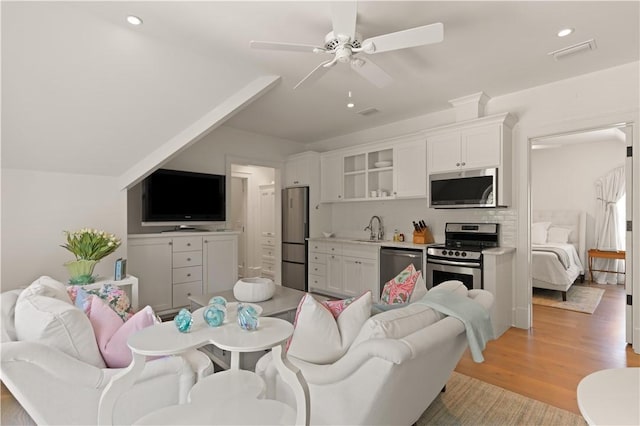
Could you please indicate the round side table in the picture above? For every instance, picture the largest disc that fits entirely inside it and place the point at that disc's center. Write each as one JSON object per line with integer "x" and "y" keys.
{"x": 611, "y": 397}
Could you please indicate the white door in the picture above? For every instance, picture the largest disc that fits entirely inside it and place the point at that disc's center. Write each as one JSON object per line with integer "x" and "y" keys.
{"x": 239, "y": 218}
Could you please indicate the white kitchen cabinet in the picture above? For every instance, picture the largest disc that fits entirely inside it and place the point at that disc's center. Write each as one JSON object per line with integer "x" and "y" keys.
{"x": 343, "y": 269}
{"x": 267, "y": 210}
{"x": 302, "y": 169}
{"x": 150, "y": 259}
{"x": 331, "y": 165}
{"x": 410, "y": 168}
{"x": 172, "y": 267}
{"x": 220, "y": 254}
{"x": 476, "y": 144}
{"x": 334, "y": 274}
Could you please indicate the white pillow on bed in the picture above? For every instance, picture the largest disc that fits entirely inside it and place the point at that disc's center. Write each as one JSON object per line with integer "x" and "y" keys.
{"x": 557, "y": 234}
{"x": 539, "y": 232}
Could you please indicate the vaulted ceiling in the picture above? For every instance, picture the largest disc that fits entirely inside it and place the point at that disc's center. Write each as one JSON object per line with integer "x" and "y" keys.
{"x": 85, "y": 92}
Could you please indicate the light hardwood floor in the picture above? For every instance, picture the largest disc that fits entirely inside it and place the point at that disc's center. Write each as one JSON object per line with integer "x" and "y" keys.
{"x": 548, "y": 361}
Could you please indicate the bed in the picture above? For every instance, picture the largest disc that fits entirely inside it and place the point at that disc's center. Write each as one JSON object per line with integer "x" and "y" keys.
{"x": 557, "y": 249}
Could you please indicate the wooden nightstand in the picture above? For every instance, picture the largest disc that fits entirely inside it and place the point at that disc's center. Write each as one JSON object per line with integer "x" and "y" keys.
{"x": 605, "y": 254}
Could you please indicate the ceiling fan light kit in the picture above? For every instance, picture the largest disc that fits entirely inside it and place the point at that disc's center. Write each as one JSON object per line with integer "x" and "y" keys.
{"x": 343, "y": 42}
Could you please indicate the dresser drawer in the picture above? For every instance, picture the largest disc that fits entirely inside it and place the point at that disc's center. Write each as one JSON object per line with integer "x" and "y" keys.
{"x": 181, "y": 293}
{"x": 187, "y": 258}
{"x": 268, "y": 266}
{"x": 334, "y": 248}
{"x": 317, "y": 258}
{"x": 183, "y": 275}
{"x": 317, "y": 268}
{"x": 268, "y": 253}
{"x": 187, "y": 244}
{"x": 269, "y": 241}
{"x": 317, "y": 246}
{"x": 316, "y": 282}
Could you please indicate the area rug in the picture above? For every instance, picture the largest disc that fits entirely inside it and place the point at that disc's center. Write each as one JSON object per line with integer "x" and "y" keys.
{"x": 579, "y": 298}
{"x": 469, "y": 401}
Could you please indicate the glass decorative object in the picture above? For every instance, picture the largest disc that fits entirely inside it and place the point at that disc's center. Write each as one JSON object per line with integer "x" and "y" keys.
{"x": 214, "y": 314}
{"x": 183, "y": 320}
{"x": 218, "y": 300}
{"x": 247, "y": 317}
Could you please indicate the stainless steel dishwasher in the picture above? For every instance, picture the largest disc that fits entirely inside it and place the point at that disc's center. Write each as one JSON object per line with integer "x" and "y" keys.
{"x": 394, "y": 259}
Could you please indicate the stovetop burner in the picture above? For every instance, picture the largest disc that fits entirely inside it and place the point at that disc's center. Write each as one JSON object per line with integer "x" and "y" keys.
{"x": 465, "y": 241}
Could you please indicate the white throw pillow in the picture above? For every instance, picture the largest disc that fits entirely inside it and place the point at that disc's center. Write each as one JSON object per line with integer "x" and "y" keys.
{"x": 557, "y": 234}
{"x": 43, "y": 315}
{"x": 539, "y": 232}
{"x": 320, "y": 338}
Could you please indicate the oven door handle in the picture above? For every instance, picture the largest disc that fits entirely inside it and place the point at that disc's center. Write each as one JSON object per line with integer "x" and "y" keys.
{"x": 453, "y": 263}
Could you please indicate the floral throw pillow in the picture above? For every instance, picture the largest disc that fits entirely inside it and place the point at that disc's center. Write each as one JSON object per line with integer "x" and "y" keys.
{"x": 115, "y": 297}
{"x": 337, "y": 306}
{"x": 400, "y": 288}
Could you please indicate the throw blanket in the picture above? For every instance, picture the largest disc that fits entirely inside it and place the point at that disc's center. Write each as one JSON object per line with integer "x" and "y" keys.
{"x": 561, "y": 254}
{"x": 474, "y": 316}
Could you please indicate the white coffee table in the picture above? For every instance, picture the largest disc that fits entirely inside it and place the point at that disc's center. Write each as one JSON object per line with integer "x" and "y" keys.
{"x": 165, "y": 339}
{"x": 611, "y": 397}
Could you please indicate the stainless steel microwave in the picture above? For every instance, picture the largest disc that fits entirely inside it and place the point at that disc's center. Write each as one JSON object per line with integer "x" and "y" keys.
{"x": 464, "y": 189}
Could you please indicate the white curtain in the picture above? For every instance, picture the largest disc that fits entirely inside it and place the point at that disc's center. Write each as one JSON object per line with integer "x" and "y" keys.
{"x": 610, "y": 189}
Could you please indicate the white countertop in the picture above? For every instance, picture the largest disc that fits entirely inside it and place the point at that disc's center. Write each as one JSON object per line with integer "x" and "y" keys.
{"x": 381, "y": 243}
{"x": 181, "y": 234}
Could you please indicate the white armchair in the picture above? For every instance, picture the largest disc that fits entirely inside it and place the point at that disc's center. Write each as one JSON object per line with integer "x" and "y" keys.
{"x": 55, "y": 387}
{"x": 392, "y": 372}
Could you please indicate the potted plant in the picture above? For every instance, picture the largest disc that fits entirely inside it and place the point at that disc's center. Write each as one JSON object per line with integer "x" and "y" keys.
{"x": 88, "y": 246}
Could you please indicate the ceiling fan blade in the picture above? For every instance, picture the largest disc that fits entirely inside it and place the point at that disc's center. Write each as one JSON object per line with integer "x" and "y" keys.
{"x": 376, "y": 75}
{"x": 343, "y": 17}
{"x": 314, "y": 75}
{"x": 274, "y": 45}
{"x": 426, "y": 34}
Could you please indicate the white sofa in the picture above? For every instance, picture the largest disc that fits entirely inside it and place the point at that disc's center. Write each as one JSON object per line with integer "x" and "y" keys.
{"x": 394, "y": 369}
{"x": 60, "y": 386}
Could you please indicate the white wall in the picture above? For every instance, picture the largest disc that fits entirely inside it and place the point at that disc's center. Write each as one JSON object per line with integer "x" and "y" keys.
{"x": 563, "y": 177}
{"x": 209, "y": 156}
{"x": 38, "y": 206}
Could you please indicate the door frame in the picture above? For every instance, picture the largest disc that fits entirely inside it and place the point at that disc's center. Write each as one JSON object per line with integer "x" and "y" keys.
{"x": 523, "y": 318}
{"x": 277, "y": 167}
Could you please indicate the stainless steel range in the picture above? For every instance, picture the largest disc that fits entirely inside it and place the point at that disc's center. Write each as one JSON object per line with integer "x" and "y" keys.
{"x": 460, "y": 257}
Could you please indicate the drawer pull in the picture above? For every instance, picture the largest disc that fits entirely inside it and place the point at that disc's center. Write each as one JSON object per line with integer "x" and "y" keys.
{"x": 188, "y": 244}
{"x": 188, "y": 294}
{"x": 188, "y": 259}
{"x": 188, "y": 275}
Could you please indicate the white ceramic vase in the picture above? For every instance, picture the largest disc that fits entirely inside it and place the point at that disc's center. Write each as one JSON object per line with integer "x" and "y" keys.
{"x": 255, "y": 289}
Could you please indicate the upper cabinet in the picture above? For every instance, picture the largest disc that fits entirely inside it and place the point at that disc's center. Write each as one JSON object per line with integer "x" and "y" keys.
{"x": 386, "y": 170}
{"x": 331, "y": 164}
{"x": 302, "y": 169}
{"x": 475, "y": 144}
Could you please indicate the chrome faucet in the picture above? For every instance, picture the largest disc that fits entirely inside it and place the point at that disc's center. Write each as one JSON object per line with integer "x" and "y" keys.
{"x": 370, "y": 228}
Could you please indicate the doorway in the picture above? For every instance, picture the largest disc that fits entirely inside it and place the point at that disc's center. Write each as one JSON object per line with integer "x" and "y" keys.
{"x": 564, "y": 169}
{"x": 257, "y": 255}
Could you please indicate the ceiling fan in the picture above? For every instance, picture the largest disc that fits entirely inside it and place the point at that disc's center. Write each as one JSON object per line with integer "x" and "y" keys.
{"x": 346, "y": 45}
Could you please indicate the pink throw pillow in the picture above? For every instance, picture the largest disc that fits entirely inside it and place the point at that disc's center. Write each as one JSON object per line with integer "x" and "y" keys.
{"x": 112, "y": 333}
{"x": 400, "y": 288}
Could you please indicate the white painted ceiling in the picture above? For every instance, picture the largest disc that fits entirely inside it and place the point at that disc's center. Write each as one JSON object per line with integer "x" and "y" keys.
{"x": 84, "y": 92}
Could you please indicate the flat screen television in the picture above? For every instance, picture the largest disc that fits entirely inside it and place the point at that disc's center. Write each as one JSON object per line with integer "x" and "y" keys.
{"x": 173, "y": 197}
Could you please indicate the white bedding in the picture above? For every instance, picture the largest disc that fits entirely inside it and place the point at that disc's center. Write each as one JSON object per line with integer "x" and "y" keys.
{"x": 548, "y": 271}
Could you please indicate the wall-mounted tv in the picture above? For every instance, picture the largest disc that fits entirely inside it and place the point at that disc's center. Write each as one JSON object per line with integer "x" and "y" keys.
{"x": 173, "y": 197}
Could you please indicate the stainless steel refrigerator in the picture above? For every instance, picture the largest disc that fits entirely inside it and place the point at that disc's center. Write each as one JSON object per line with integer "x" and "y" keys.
{"x": 295, "y": 230}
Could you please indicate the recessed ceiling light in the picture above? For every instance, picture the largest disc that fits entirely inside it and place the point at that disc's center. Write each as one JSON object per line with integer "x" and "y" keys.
{"x": 134, "y": 20}
{"x": 565, "y": 32}
{"x": 350, "y": 105}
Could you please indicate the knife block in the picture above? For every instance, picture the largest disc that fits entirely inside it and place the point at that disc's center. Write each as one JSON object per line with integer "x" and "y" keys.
{"x": 423, "y": 237}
